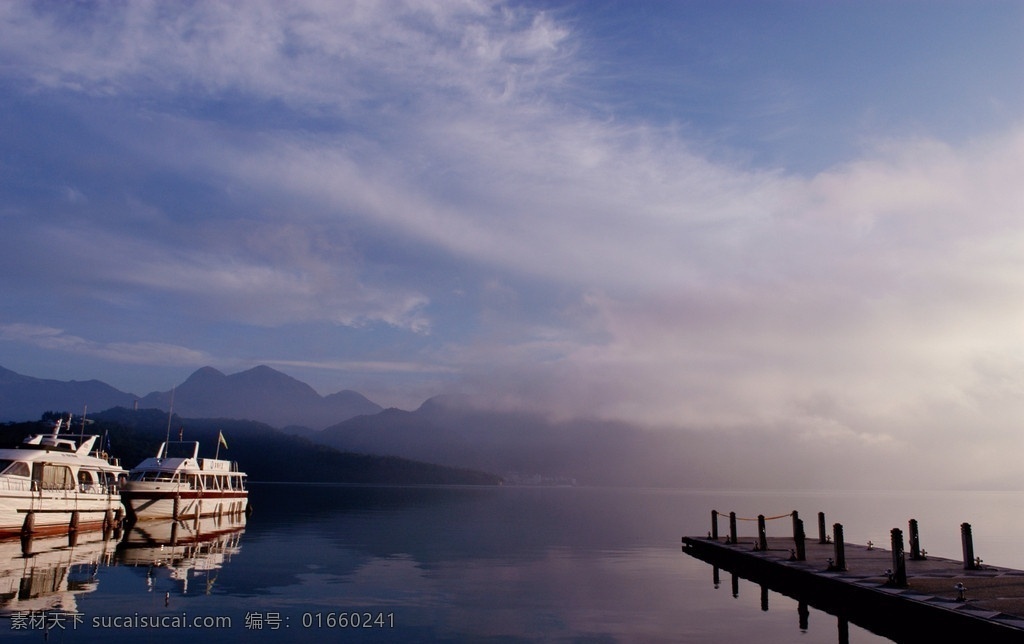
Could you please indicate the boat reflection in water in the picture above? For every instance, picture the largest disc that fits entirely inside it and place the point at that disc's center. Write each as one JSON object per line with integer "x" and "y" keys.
{"x": 48, "y": 573}
{"x": 193, "y": 548}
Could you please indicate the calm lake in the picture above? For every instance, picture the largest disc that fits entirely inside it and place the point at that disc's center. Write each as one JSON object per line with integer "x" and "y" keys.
{"x": 326, "y": 563}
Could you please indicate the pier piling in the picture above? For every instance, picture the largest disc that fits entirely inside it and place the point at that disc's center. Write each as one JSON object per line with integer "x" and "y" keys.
{"x": 915, "y": 541}
{"x": 822, "y": 535}
{"x": 800, "y": 538}
{"x": 714, "y": 524}
{"x": 967, "y": 539}
{"x": 762, "y": 533}
{"x": 899, "y": 561}
{"x": 840, "y": 548}
{"x": 732, "y": 527}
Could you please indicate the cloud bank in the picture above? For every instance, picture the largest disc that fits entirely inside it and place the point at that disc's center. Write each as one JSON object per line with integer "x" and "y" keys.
{"x": 451, "y": 189}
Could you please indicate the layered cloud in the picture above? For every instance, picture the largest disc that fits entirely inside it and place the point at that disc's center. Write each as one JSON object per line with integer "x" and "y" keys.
{"x": 453, "y": 184}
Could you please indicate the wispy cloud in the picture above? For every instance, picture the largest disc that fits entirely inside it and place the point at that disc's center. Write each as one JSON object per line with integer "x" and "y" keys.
{"x": 140, "y": 353}
{"x": 450, "y": 172}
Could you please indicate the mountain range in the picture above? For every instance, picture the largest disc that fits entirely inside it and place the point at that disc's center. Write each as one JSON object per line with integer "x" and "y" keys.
{"x": 451, "y": 431}
{"x": 447, "y": 430}
{"x": 260, "y": 394}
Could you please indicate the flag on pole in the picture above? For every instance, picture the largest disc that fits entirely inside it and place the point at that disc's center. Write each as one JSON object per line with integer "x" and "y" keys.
{"x": 220, "y": 439}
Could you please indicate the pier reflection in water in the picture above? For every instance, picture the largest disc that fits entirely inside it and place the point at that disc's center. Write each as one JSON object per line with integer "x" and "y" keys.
{"x": 804, "y": 604}
{"x": 850, "y": 604}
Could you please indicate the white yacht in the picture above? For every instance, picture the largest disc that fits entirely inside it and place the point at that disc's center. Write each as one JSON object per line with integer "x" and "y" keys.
{"x": 58, "y": 484}
{"x": 177, "y": 484}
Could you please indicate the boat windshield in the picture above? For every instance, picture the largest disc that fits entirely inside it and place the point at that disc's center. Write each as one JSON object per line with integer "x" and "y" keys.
{"x": 13, "y": 468}
{"x": 176, "y": 449}
{"x": 153, "y": 476}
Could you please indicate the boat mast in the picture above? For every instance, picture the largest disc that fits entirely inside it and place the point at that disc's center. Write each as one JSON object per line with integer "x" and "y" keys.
{"x": 170, "y": 413}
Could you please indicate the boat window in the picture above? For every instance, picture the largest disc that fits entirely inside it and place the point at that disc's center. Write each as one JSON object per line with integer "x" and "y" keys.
{"x": 85, "y": 478}
{"x": 14, "y": 468}
{"x": 53, "y": 477}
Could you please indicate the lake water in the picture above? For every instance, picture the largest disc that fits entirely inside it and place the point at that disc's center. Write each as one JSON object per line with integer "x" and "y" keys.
{"x": 461, "y": 564}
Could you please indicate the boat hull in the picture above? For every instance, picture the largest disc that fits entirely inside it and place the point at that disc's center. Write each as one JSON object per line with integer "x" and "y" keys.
{"x": 144, "y": 505}
{"x": 26, "y": 513}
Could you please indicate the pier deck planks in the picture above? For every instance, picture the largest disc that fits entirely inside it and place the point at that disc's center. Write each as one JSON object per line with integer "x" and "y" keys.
{"x": 994, "y": 603}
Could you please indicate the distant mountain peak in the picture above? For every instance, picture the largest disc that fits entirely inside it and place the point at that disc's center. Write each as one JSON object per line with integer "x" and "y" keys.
{"x": 261, "y": 393}
{"x": 204, "y": 374}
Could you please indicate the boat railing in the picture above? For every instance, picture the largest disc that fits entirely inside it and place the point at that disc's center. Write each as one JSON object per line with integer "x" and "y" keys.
{"x": 12, "y": 484}
{"x": 94, "y": 488}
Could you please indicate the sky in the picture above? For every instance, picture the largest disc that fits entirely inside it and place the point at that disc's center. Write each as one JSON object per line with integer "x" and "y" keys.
{"x": 801, "y": 218}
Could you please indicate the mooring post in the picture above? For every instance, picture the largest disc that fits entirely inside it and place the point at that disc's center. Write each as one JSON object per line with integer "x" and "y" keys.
{"x": 762, "y": 533}
{"x": 796, "y": 520}
{"x": 899, "y": 563}
{"x": 967, "y": 539}
{"x": 801, "y": 541}
{"x": 732, "y": 527}
{"x": 915, "y": 541}
{"x": 822, "y": 536}
{"x": 714, "y": 524}
{"x": 840, "y": 548}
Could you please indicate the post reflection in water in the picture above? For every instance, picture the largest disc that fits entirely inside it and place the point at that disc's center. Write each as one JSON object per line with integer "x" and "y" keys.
{"x": 803, "y": 607}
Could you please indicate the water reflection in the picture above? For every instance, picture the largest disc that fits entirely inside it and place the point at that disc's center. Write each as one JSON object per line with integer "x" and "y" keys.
{"x": 181, "y": 550}
{"x": 49, "y": 573}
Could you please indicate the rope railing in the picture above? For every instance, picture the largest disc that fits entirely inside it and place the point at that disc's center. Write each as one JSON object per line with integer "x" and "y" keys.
{"x": 780, "y": 516}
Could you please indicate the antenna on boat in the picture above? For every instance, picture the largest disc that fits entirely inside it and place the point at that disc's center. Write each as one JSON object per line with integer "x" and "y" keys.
{"x": 85, "y": 409}
{"x": 170, "y": 413}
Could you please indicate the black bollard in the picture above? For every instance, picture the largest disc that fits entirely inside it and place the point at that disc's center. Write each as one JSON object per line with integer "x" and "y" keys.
{"x": 714, "y": 524}
{"x": 967, "y": 539}
{"x": 915, "y": 541}
{"x": 732, "y": 527}
{"x": 762, "y": 534}
{"x": 840, "y": 548}
{"x": 822, "y": 536}
{"x": 899, "y": 564}
{"x": 796, "y": 520}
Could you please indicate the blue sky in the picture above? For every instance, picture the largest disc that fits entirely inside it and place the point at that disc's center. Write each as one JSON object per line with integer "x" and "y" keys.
{"x": 801, "y": 217}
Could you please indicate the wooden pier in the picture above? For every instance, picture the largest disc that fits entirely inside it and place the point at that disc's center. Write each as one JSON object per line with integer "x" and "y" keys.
{"x": 907, "y": 597}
